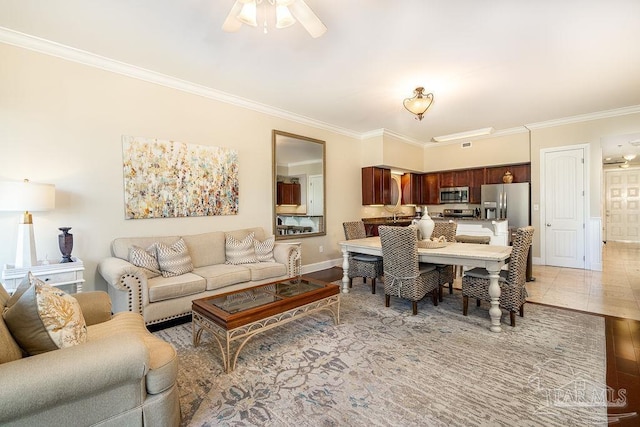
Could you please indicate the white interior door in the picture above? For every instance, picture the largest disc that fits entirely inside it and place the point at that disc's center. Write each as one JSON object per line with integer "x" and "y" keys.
{"x": 316, "y": 195}
{"x": 622, "y": 222}
{"x": 564, "y": 219}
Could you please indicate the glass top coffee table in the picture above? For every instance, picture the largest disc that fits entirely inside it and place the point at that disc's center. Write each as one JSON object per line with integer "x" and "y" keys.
{"x": 239, "y": 315}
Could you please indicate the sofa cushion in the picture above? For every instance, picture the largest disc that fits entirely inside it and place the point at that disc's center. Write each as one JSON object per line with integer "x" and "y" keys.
{"x": 147, "y": 259}
{"x": 264, "y": 250}
{"x": 120, "y": 246}
{"x": 9, "y": 349}
{"x": 206, "y": 248}
{"x": 266, "y": 270}
{"x": 163, "y": 361}
{"x": 174, "y": 260}
{"x": 164, "y": 288}
{"x": 258, "y": 233}
{"x": 42, "y": 317}
{"x": 221, "y": 275}
{"x": 240, "y": 251}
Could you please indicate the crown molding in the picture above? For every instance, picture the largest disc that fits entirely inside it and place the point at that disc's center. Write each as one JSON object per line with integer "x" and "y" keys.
{"x": 58, "y": 50}
{"x": 386, "y": 132}
{"x": 586, "y": 117}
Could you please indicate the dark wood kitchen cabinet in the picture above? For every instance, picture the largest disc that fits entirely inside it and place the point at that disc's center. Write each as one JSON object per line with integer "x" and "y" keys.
{"x": 521, "y": 173}
{"x": 476, "y": 179}
{"x": 458, "y": 178}
{"x": 411, "y": 189}
{"x": 430, "y": 189}
{"x": 288, "y": 193}
{"x": 376, "y": 186}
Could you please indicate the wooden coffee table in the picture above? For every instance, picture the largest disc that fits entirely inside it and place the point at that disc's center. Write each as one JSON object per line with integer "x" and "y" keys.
{"x": 238, "y": 316}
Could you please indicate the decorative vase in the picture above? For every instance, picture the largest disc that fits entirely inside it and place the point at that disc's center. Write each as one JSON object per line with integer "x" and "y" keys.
{"x": 507, "y": 178}
{"x": 425, "y": 225}
{"x": 65, "y": 242}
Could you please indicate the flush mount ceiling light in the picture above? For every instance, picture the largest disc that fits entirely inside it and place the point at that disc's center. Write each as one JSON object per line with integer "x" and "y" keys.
{"x": 629, "y": 157}
{"x": 420, "y": 102}
{"x": 286, "y": 13}
{"x": 460, "y": 135}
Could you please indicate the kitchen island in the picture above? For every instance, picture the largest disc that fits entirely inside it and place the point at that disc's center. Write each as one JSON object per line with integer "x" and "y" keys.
{"x": 496, "y": 229}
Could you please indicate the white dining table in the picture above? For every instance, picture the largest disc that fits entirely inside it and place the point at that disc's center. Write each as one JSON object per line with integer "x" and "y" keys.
{"x": 491, "y": 257}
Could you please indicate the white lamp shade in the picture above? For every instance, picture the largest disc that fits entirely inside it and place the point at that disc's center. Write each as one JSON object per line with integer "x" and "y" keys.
{"x": 284, "y": 18}
{"x": 248, "y": 14}
{"x": 26, "y": 196}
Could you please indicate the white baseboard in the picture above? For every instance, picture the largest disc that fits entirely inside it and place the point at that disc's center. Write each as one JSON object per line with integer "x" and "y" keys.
{"x": 310, "y": 268}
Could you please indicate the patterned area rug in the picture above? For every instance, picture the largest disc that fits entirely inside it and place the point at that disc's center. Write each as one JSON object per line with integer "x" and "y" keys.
{"x": 384, "y": 367}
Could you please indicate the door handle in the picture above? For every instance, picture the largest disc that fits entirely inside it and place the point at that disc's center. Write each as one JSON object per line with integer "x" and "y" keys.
{"x": 548, "y": 225}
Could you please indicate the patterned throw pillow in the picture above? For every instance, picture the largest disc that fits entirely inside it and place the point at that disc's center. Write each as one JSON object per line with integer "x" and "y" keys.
{"x": 174, "y": 260}
{"x": 240, "y": 251}
{"x": 264, "y": 250}
{"x": 42, "y": 317}
{"x": 145, "y": 259}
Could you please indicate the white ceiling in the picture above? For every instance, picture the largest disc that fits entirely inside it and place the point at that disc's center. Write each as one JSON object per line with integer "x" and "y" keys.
{"x": 489, "y": 63}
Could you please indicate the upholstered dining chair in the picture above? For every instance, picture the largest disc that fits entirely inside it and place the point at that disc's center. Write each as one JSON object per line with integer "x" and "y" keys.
{"x": 475, "y": 282}
{"x": 445, "y": 272}
{"x": 404, "y": 276}
{"x": 361, "y": 265}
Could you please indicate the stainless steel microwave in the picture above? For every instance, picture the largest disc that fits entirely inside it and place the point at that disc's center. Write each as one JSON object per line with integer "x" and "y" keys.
{"x": 454, "y": 195}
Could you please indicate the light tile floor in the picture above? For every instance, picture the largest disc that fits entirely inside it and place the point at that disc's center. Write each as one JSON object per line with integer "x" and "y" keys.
{"x": 615, "y": 291}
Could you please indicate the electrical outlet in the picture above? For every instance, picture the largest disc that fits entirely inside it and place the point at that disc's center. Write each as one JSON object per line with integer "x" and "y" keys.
{"x": 320, "y": 249}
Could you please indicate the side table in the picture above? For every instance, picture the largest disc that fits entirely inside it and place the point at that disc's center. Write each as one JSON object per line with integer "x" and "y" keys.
{"x": 65, "y": 275}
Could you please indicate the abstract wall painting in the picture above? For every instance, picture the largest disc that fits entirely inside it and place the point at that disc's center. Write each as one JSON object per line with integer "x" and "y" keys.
{"x": 170, "y": 179}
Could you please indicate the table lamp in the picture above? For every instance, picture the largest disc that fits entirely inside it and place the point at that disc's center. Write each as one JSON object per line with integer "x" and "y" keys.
{"x": 26, "y": 197}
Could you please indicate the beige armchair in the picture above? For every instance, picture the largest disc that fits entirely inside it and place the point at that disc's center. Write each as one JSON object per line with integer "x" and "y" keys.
{"x": 122, "y": 376}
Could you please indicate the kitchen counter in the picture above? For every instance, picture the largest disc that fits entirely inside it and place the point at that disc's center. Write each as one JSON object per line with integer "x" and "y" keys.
{"x": 496, "y": 229}
{"x": 371, "y": 224}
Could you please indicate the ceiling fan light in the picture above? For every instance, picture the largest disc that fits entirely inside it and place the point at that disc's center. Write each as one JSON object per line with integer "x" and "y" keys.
{"x": 629, "y": 157}
{"x": 284, "y": 18}
{"x": 625, "y": 165}
{"x": 419, "y": 104}
{"x": 248, "y": 14}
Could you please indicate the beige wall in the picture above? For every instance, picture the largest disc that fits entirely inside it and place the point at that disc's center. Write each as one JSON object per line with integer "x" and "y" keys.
{"x": 400, "y": 154}
{"x": 62, "y": 123}
{"x": 499, "y": 150}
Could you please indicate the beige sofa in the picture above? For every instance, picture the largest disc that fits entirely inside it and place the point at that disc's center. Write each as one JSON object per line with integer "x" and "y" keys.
{"x": 163, "y": 298}
{"x": 122, "y": 376}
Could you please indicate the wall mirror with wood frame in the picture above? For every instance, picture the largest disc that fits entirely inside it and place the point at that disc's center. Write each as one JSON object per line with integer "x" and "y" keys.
{"x": 298, "y": 186}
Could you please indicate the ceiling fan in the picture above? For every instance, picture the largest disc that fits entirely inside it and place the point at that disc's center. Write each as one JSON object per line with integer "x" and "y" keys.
{"x": 287, "y": 11}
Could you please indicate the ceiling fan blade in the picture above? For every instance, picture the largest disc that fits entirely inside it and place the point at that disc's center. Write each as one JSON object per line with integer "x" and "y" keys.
{"x": 307, "y": 18}
{"x": 232, "y": 24}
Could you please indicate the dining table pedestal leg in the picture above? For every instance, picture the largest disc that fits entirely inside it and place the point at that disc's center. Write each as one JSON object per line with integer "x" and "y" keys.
{"x": 494, "y": 292}
{"x": 345, "y": 271}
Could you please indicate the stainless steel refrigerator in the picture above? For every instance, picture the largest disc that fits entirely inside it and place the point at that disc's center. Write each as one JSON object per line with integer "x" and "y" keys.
{"x": 510, "y": 202}
{"x": 506, "y": 201}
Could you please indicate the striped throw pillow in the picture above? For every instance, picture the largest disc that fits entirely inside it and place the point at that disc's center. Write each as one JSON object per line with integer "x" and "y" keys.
{"x": 240, "y": 251}
{"x": 264, "y": 250}
{"x": 145, "y": 259}
{"x": 174, "y": 260}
